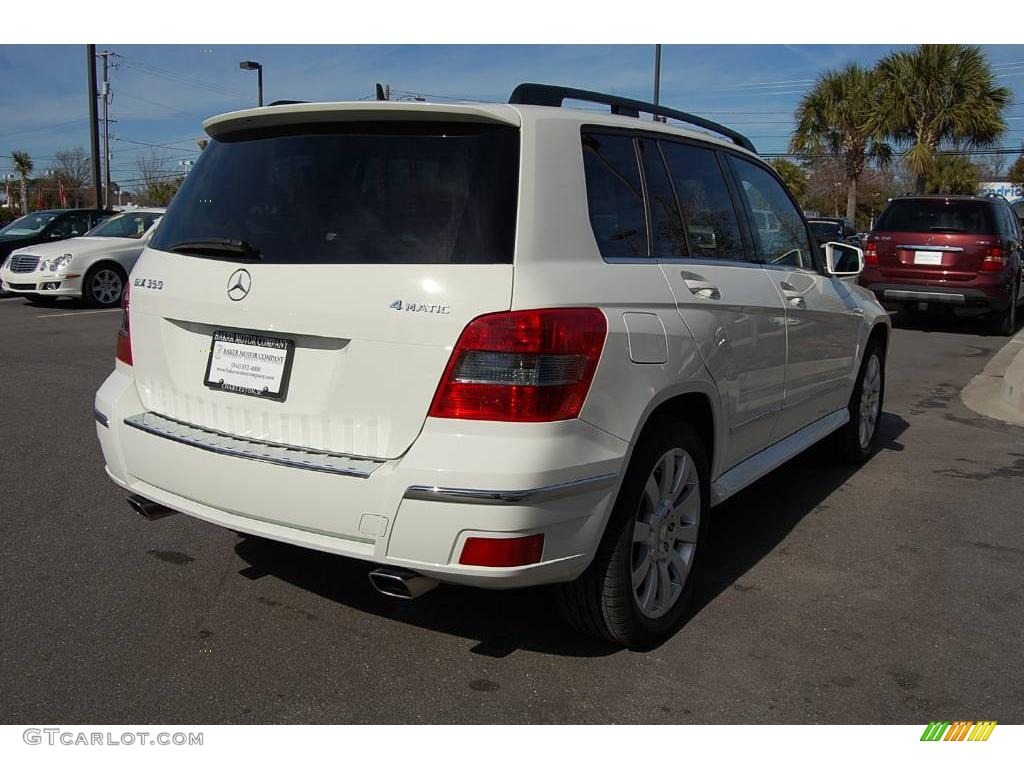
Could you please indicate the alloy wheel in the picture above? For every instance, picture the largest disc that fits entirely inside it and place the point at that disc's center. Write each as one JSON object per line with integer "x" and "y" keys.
{"x": 665, "y": 533}
{"x": 106, "y": 287}
{"x": 870, "y": 400}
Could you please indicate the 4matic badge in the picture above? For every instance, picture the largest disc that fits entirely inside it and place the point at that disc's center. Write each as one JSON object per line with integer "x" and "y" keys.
{"x": 414, "y": 306}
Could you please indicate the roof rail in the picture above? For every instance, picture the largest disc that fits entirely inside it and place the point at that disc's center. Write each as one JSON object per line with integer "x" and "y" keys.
{"x": 281, "y": 102}
{"x": 541, "y": 95}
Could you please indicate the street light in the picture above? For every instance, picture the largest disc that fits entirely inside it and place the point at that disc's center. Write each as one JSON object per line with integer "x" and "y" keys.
{"x": 259, "y": 72}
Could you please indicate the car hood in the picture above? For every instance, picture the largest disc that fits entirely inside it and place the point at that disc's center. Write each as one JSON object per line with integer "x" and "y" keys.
{"x": 75, "y": 246}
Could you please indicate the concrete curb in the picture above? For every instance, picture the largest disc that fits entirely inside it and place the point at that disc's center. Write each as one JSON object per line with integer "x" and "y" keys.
{"x": 998, "y": 391}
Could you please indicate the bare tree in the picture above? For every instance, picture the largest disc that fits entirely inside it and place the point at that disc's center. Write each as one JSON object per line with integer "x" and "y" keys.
{"x": 157, "y": 182}
{"x": 73, "y": 168}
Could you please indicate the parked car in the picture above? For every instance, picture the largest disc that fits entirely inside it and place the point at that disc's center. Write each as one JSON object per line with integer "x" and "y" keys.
{"x": 948, "y": 253}
{"x": 837, "y": 230}
{"x": 46, "y": 226}
{"x": 94, "y": 267}
{"x": 476, "y": 344}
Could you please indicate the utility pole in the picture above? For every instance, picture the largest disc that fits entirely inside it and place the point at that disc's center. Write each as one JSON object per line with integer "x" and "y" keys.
{"x": 657, "y": 77}
{"x": 94, "y": 130}
{"x": 105, "y": 55}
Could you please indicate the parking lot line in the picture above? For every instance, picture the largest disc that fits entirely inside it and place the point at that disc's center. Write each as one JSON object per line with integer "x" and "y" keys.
{"x": 78, "y": 314}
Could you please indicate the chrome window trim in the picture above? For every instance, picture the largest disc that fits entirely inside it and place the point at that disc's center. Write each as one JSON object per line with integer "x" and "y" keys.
{"x": 525, "y": 496}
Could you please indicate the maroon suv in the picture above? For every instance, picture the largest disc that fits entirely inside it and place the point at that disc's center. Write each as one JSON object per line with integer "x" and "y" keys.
{"x": 961, "y": 253}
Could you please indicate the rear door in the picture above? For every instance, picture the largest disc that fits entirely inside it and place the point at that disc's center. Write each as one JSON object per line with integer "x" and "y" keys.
{"x": 934, "y": 239}
{"x": 308, "y": 282}
{"x": 822, "y": 316}
{"x": 726, "y": 299}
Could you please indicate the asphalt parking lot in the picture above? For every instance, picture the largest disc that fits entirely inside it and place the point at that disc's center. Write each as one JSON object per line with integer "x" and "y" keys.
{"x": 889, "y": 593}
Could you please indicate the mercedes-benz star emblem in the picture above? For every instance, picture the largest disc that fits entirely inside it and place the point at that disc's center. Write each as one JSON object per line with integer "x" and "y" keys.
{"x": 239, "y": 284}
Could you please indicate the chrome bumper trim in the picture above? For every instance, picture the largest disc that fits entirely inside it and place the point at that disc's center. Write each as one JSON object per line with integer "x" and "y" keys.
{"x": 247, "y": 448}
{"x": 100, "y": 417}
{"x": 525, "y": 496}
{"x": 942, "y": 298}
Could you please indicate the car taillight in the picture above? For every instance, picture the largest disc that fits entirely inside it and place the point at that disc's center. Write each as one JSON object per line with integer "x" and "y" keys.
{"x": 871, "y": 254}
{"x": 502, "y": 553}
{"x": 124, "y": 333}
{"x": 529, "y": 365}
{"x": 994, "y": 261}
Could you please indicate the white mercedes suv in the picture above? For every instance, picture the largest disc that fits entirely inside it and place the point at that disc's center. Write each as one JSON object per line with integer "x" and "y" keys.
{"x": 496, "y": 345}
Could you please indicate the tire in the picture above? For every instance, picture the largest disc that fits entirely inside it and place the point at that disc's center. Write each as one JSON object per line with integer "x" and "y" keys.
{"x": 103, "y": 286}
{"x": 603, "y": 601}
{"x": 1005, "y": 322}
{"x": 858, "y": 438}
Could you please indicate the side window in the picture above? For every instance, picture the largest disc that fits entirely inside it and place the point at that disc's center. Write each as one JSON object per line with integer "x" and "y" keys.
{"x": 704, "y": 200}
{"x": 667, "y": 238}
{"x": 615, "y": 196}
{"x": 779, "y": 231}
{"x": 73, "y": 225}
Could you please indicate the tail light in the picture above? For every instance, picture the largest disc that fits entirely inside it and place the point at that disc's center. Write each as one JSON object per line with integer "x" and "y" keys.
{"x": 502, "y": 553}
{"x": 124, "y": 333}
{"x": 871, "y": 254}
{"x": 530, "y": 365}
{"x": 994, "y": 261}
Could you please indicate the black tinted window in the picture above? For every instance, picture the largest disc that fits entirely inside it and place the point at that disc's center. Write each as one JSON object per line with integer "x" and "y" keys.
{"x": 953, "y": 216}
{"x": 703, "y": 195}
{"x": 615, "y": 196}
{"x": 667, "y": 238}
{"x": 357, "y": 193}
{"x": 779, "y": 230}
{"x": 825, "y": 231}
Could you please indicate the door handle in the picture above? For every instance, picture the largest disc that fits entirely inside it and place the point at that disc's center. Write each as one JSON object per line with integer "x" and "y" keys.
{"x": 793, "y": 297}
{"x": 702, "y": 288}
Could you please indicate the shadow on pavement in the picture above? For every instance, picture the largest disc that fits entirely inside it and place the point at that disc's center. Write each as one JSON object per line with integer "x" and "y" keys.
{"x": 945, "y": 322}
{"x": 744, "y": 530}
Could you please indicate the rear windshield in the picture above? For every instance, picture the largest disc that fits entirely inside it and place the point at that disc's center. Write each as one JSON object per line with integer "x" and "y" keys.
{"x": 355, "y": 193}
{"x": 825, "y": 230}
{"x": 971, "y": 217}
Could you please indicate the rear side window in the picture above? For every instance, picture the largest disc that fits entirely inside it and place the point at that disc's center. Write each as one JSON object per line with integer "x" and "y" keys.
{"x": 615, "y": 196}
{"x": 972, "y": 217}
{"x": 704, "y": 199}
{"x": 355, "y": 193}
{"x": 779, "y": 228}
{"x": 668, "y": 240}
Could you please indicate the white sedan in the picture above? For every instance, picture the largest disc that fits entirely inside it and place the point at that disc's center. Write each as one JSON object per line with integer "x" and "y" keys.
{"x": 94, "y": 267}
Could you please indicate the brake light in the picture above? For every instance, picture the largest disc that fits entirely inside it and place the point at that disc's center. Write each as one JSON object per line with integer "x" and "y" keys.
{"x": 124, "y": 333}
{"x": 871, "y": 254}
{"x": 994, "y": 261}
{"x": 502, "y": 553}
{"x": 529, "y": 365}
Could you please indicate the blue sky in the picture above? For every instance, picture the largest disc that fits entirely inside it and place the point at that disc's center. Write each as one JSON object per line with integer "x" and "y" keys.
{"x": 162, "y": 92}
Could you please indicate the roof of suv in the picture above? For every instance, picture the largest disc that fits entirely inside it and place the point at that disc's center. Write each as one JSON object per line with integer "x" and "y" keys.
{"x": 510, "y": 114}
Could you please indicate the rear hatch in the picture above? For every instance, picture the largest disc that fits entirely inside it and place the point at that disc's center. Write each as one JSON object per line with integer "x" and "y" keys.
{"x": 934, "y": 239}
{"x": 313, "y": 273}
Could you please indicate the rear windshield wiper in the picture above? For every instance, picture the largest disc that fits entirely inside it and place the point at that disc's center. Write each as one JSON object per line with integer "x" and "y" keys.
{"x": 218, "y": 248}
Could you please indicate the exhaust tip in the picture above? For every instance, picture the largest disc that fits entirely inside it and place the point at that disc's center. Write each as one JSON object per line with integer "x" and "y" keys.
{"x": 149, "y": 509}
{"x": 400, "y": 583}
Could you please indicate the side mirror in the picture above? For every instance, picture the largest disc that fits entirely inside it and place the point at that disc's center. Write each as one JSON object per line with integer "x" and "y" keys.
{"x": 843, "y": 260}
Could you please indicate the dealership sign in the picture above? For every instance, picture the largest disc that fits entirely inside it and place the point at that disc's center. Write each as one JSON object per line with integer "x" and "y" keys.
{"x": 1012, "y": 192}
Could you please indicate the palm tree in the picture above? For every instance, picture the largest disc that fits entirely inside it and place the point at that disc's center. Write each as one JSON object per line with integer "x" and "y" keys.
{"x": 23, "y": 165}
{"x": 935, "y": 94}
{"x": 952, "y": 175}
{"x": 835, "y": 117}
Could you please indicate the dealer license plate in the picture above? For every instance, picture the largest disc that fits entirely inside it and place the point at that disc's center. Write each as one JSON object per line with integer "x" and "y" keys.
{"x": 250, "y": 364}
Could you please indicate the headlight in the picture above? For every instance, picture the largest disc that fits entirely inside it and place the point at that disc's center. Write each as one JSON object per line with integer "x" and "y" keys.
{"x": 52, "y": 265}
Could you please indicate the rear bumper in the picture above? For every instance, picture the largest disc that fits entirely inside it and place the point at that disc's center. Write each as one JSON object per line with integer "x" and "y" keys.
{"x": 976, "y": 295}
{"x": 458, "y": 480}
